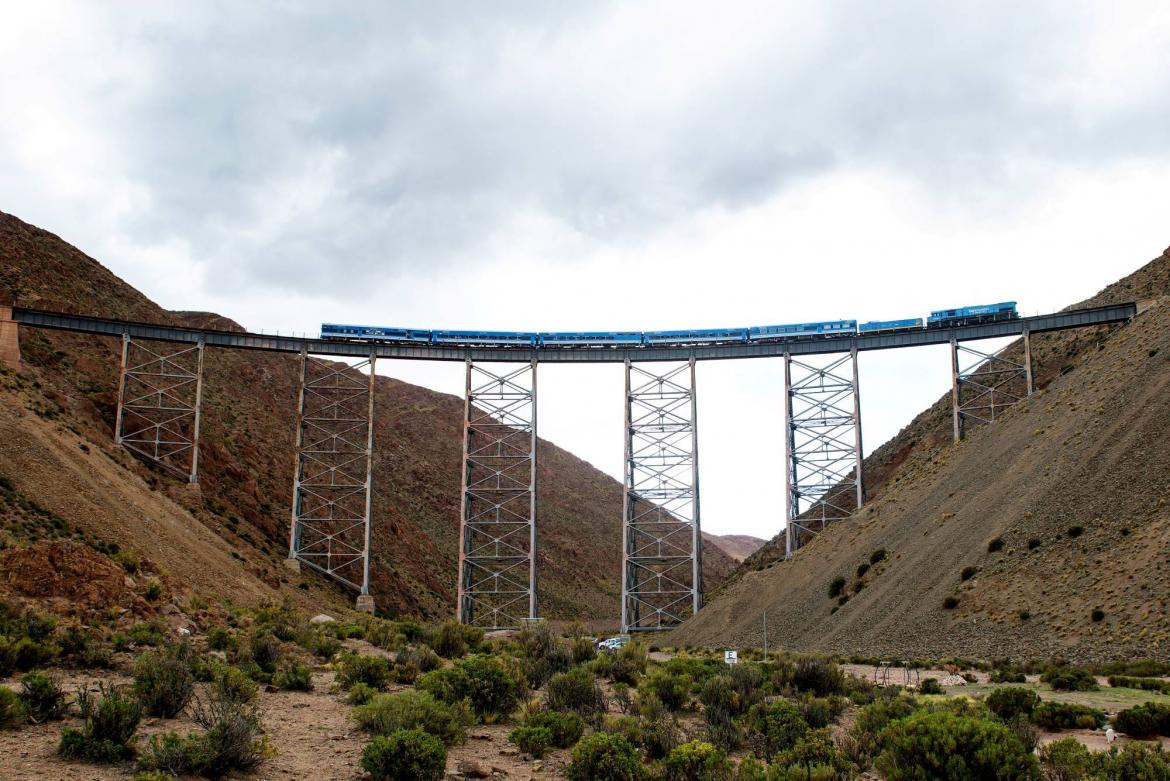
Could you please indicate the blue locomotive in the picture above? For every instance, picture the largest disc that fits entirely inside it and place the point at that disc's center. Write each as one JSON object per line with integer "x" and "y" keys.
{"x": 942, "y": 318}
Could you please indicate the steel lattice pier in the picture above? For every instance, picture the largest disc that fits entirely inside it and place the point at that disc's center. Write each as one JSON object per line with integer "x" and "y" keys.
{"x": 330, "y": 529}
{"x": 160, "y": 397}
{"x": 497, "y": 530}
{"x": 986, "y": 384}
{"x": 661, "y": 543}
{"x": 822, "y": 407}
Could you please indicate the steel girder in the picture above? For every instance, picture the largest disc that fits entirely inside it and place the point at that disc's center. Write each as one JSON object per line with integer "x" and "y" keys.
{"x": 661, "y": 540}
{"x": 822, "y": 410}
{"x": 983, "y": 384}
{"x": 330, "y": 528}
{"x": 160, "y": 397}
{"x": 497, "y": 525}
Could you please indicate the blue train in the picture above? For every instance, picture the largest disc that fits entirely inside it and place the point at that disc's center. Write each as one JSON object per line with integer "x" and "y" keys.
{"x": 942, "y": 318}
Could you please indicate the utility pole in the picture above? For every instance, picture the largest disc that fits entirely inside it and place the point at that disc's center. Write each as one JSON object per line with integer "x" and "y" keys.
{"x": 765, "y": 635}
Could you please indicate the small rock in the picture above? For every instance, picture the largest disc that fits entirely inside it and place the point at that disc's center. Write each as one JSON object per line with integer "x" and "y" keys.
{"x": 473, "y": 769}
{"x": 537, "y": 765}
{"x": 271, "y": 689}
{"x": 184, "y": 631}
{"x": 480, "y": 736}
{"x": 321, "y": 618}
{"x": 169, "y": 610}
{"x": 509, "y": 752}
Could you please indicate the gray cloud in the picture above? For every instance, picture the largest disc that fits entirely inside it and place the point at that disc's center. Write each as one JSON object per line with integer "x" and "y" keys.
{"x": 388, "y": 136}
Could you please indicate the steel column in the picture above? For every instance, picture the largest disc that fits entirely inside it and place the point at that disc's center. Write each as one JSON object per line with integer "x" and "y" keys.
{"x": 332, "y": 485}
{"x": 823, "y": 443}
{"x": 661, "y": 533}
{"x": 987, "y": 384}
{"x": 497, "y": 527}
{"x": 160, "y": 397}
{"x": 1028, "y": 360}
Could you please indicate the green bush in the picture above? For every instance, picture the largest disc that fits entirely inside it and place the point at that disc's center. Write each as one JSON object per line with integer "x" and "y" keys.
{"x": 421, "y": 657}
{"x": 1009, "y": 702}
{"x": 146, "y": 634}
{"x": 968, "y": 573}
{"x": 1064, "y": 715}
{"x": 950, "y": 603}
{"x": 296, "y": 677}
{"x": 220, "y": 639}
{"x": 28, "y": 654}
{"x": 110, "y": 724}
{"x": 877, "y": 555}
{"x": 995, "y": 545}
{"x": 12, "y": 713}
{"x": 1146, "y": 684}
{"x": 941, "y": 744}
{"x": 818, "y": 676}
{"x": 41, "y": 698}
{"x": 930, "y": 686}
{"x": 775, "y": 727}
{"x": 1008, "y": 676}
{"x": 673, "y": 690}
{"x": 264, "y": 652}
{"x": 696, "y": 761}
{"x": 1134, "y": 762}
{"x": 582, "y": 650}
{"x": 1070, "y": 679}
{"x": 451, "y": 640}
{"x": 531, "y": 740}
{"x": 813, "y": 757}
{"x": 565, "y": 729}
{"x": 605, "y": 756}
{"x": 386, "y": 714}
{"x": 163, "y": 684}
{"x": 406, "y": 755}
{"x": 836, "y": 586}
{"x": 820, "y": 712}
{"x": 373, "y": 671}
{"x": 231, "y": 683}
{"x": 360, "y": 694}
{"x": 1066, "y": 759}
{"x": 492, "y": 690}
{"x": 1143, "y": 721}
{"x": 231, "y": 741}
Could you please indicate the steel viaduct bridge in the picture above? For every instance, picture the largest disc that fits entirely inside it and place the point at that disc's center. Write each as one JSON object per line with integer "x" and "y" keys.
{"x": 159, "y": 407}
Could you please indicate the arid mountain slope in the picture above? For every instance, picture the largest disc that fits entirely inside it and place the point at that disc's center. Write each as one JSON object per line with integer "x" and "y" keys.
{"x": 737, "y": 546}
{"x": 70, "y": 384}
{"x": 1074, "y": 483}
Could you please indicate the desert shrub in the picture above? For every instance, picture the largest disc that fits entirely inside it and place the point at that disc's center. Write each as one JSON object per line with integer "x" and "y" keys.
{"x": 1066, "y": 759}
{"x": 1064, "y": 715}
{"x": 1146, "y": 684}
{"x": 818, "y": 676}
{"x": 660, "y": 734}
{"x": 673, "y": 690}
{"x": 231, "y": 741}
{"x": 628, "y": 664}
{"x": 871, "y": 722}
{"x": 576, "y": 691}
{"x": 1011, "y": 701}
{"x": 565, "y": 728}
{"x": 1138, "y": 667}
{"x": 531, "y": 740}
{"x": 163, "y": 684}
{"x": 836, "y": 586}
{"x": 146, "y": 634}
{"x": 813, "y": 757}
{"x": 1143, "y": 721}
{"x": 420, "y": 656}
{"x": 262, "y": 656}
{"x": 582, "y": 650}
{"x": 373, "y": 671}
{"x": 751, "y": 769}
{"x": 296, "y": 677}
{"x": 110, "y": 723}
{"x": 605, "y": 756}
{"x": 41, "y": 697}
{"x": 820, "y": 712}
{"x": 12, "y": 713}
{"x": 491, "y": 689}
{"x": 968, "y": 573}
{"x": 862, "y": 569}
{"x": 1071, "y": 679}
{"x": 718, "y": 696}
{"x": 1134, "y": 762}
{"x": 950, "y": 603}
{"x": 450, "y": 641}
{"x": 1008, "y": 676}
{"x": 28, "y": 654}
{"x": 388, "y": 713}
{"x": 1097, "y": 615}
{"x": 220, "y": 639}
{"x": 930, "y": 686}
{"x": 696, "y": 761}
{"x": 774, "y": 727}
{"x": 1075, "y": 531}
{"x": 941, "y": 744}
{"x": 154, "y": 590}
{"x": 877, "y": 555}
{"x": 360, "y": 694}
{"x": 406, "y": 755}
{"x": 231, "y": 683}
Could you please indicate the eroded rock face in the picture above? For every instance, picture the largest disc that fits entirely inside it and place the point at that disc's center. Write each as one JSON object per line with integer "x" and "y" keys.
{"x": 66, "y": 571}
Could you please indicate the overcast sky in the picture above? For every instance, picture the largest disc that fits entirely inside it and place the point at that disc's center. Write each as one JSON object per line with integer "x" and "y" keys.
{"x": 601, "y": 166}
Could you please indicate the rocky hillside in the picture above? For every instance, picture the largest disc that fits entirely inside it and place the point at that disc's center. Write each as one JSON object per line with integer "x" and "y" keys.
{"x": 1043, "y": 534}
{"x": 63, "y": 405}
{"x": 737, "y": 546}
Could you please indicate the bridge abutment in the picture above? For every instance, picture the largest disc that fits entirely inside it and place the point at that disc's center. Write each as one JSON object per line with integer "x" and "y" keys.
{"x": 9, "y": 339}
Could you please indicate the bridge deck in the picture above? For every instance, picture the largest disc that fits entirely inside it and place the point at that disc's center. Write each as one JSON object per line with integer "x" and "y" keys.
{"x": 289, "y": 344}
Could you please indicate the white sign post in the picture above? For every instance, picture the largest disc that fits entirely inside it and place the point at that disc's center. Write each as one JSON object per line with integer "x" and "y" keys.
{"x": 731, "y": 657}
